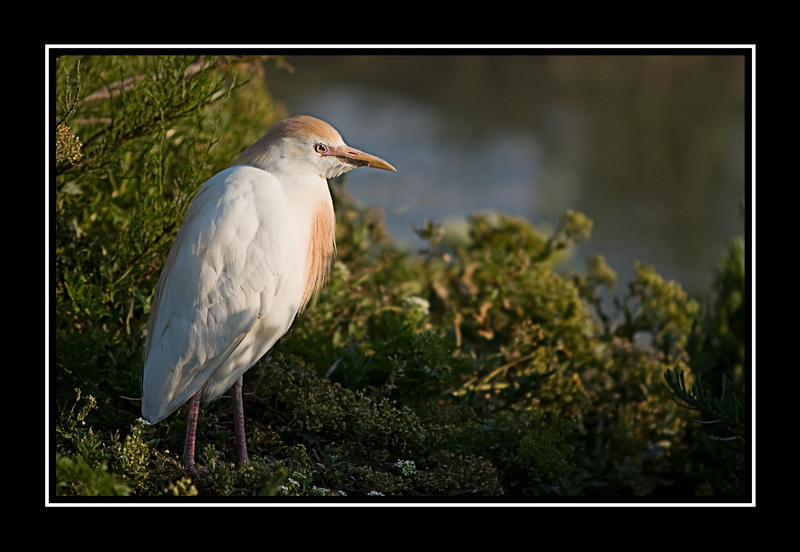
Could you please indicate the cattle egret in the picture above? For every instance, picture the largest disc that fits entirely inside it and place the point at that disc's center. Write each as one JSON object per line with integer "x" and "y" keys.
{"x": 255, "y": 246}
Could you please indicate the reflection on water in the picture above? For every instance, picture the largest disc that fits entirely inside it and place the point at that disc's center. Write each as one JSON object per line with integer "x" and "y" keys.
{"x": 650, "y": 147}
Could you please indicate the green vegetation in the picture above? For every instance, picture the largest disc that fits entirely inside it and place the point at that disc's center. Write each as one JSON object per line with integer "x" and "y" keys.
{"x": 473, "y": 369}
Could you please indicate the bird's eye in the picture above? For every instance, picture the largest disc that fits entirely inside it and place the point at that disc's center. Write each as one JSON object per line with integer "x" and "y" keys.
{"x": 320, "y": 148}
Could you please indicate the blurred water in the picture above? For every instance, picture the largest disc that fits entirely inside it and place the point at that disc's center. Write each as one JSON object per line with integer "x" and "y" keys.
{"x": 650, "y": 147}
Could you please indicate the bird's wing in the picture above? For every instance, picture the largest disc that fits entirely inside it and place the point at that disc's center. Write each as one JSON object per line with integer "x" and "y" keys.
{"x": 220, "y": 277}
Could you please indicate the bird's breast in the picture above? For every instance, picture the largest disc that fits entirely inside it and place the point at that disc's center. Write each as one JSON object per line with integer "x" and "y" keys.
{"x": 321, "y": 248}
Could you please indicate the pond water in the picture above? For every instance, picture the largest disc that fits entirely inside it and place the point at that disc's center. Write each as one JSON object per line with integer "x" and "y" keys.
{"x": 651, "y": 147}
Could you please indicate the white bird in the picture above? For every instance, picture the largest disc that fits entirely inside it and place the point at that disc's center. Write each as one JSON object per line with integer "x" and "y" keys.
{"x": 256, "y": 244}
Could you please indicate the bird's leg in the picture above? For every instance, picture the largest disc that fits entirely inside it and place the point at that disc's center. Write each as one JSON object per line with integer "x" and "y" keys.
{"x": 238, "y": 423}
{"x": 191, "y": 431}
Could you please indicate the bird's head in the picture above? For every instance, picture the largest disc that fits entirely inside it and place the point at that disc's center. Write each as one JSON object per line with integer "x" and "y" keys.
{"x": 306, "y": 145}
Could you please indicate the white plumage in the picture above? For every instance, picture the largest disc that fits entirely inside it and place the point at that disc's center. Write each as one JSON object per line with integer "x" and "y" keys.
{"x": 255, "y": 245}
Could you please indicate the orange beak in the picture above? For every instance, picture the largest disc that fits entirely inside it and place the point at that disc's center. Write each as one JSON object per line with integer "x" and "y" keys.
{"x": 362, "y": 159}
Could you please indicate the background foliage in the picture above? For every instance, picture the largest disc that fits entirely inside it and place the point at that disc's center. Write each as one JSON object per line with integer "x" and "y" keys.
{"x": 475, "y": 368}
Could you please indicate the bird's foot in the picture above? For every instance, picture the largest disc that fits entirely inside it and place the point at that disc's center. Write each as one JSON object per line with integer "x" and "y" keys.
{"x": 197, "y": 470}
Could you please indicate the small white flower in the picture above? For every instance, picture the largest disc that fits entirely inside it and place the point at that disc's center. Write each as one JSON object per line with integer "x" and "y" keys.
{"x": 407, "y": 467}
{"x": 419, "y": 303}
